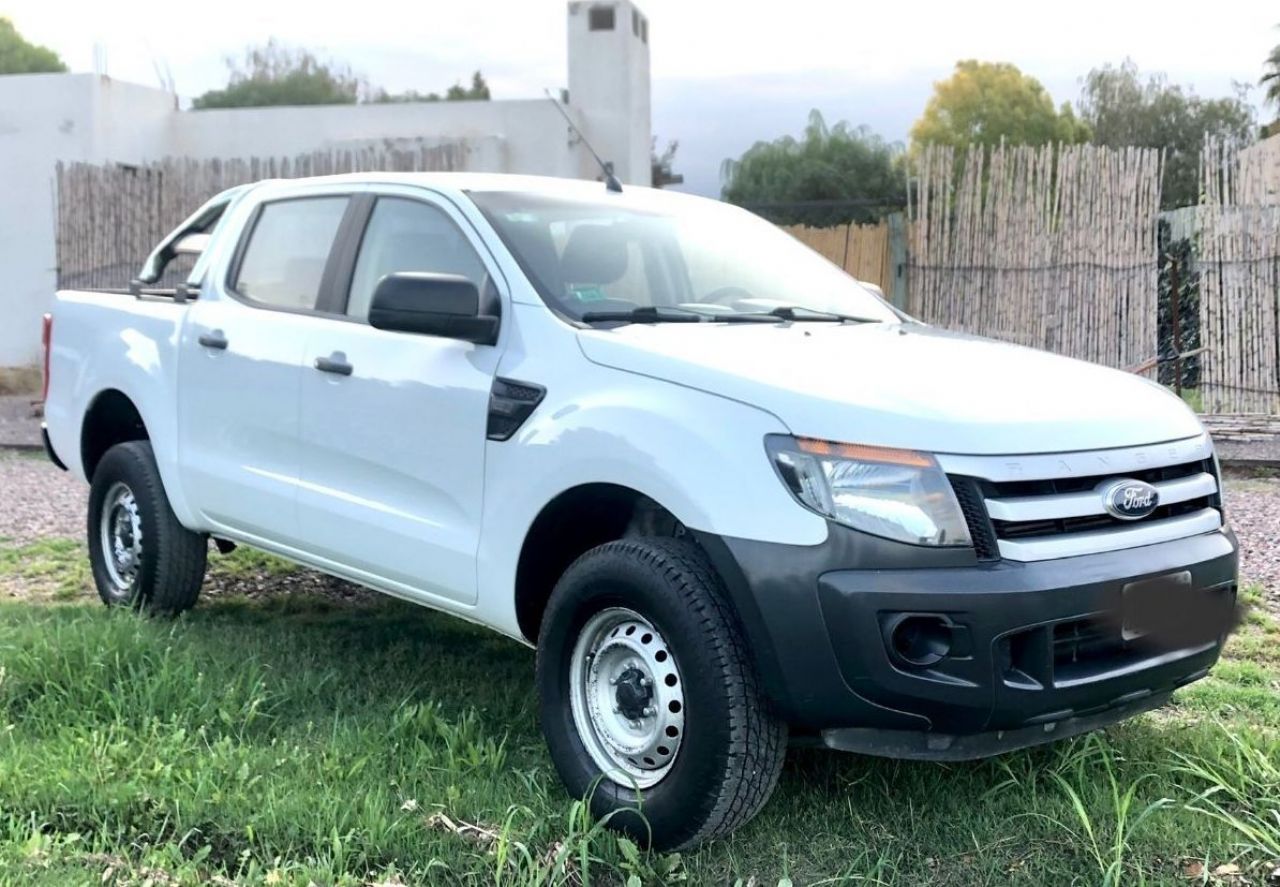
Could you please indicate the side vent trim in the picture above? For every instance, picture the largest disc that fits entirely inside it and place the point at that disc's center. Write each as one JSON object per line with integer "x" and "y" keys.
{"x": 510, "y": 403}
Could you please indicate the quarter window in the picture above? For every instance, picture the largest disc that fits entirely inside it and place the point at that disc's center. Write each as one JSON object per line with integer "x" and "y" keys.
{"x": 284, "y": 261}
{"x": 409, "y": 235}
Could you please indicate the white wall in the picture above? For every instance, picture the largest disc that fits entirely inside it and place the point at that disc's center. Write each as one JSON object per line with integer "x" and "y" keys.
{"x": 526, "y": 136}
{"x": 45, "y": 118}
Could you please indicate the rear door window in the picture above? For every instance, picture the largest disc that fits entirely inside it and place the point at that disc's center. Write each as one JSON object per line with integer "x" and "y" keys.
{"x": 284, "y": 260}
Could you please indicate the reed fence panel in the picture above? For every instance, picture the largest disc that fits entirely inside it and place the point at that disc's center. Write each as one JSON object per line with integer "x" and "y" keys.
{"x": 1052, "y": 247}
{"x": 109, "y": 216}
{"x": 1238, "y": 239}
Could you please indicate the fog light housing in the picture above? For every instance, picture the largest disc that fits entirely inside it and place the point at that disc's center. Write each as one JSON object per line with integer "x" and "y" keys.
{"x": 920, "y": 640}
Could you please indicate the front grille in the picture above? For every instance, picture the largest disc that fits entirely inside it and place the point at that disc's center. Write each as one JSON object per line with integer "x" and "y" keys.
{"x": 969, "y": 496}
{"x": 1039, "y": 518}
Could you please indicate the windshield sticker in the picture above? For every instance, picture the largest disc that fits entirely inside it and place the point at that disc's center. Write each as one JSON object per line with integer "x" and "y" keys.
{"x": 588, "y": 293}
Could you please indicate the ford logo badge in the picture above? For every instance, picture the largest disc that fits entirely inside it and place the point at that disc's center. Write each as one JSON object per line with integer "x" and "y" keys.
{"x": 1130, "y": 499}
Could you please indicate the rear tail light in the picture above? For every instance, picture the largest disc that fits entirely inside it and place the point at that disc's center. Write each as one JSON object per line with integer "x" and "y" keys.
{"x": 46, "y": 339}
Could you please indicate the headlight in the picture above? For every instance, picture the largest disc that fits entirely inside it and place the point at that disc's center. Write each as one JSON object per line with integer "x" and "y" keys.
{"x": 898, "y": 494}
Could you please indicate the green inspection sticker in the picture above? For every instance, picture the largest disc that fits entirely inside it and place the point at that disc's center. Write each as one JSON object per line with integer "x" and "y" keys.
{"x": 588, "y": 293}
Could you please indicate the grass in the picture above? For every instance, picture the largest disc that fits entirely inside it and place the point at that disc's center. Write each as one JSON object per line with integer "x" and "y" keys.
{"x": 298, "y": 739}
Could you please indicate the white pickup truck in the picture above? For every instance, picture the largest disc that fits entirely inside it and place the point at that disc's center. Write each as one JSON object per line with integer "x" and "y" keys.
{"x": 733, "y": 497}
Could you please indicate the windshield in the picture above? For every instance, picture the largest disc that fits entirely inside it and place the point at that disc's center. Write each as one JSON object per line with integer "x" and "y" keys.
{"x": 597, "y": 258}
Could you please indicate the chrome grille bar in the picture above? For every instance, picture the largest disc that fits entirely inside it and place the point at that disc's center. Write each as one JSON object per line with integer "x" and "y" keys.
{"x": 1045, "y": 548}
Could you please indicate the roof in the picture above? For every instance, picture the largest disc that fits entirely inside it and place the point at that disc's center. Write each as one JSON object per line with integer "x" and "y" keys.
{"x": 473, "y": 181}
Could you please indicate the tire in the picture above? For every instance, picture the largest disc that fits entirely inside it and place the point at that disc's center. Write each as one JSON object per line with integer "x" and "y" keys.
{"x": 731, "y": 746}
{"x": 163, "y": 565}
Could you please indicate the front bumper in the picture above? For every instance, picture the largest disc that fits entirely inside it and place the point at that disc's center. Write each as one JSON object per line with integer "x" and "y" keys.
{"x": 1037, "y": 650}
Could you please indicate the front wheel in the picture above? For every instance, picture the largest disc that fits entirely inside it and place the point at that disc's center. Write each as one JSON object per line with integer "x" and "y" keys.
{"x": 141, "y": 556}
{"x": 649, "y": 701}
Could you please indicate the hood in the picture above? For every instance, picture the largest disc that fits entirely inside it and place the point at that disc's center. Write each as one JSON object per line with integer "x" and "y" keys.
{"x": 903, "y": 385}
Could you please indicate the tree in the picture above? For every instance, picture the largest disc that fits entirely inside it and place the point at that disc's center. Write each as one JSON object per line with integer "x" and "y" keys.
{"x": 478, "y": 91}
{"x": 989, "y": 102}
{"x": 837, "y": 163}
{"x": 661, "y": 173}
{"x": 17, "y": 56}
{"x": 275, "y": 75}
{"x": 1123, "y": 109}
{"x": 1271, "y": 80}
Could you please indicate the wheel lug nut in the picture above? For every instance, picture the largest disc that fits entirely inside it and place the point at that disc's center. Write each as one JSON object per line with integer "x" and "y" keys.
{"x": 645, "y": 682}
{"x": 648, "y": 711}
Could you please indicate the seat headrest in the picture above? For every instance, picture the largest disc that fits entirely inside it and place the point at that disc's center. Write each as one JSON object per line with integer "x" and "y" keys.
{"x": 595, "y": 254}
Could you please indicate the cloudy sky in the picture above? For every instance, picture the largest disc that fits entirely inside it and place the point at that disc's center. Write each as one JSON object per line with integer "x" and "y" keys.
{"x": 726, "y": 73}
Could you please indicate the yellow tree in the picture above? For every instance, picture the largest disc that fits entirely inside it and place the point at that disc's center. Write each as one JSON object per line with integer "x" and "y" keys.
{"x": 986, "y": 102}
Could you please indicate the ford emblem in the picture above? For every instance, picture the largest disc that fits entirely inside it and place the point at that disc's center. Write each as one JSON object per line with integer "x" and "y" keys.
{"x": 1130, "y": 499}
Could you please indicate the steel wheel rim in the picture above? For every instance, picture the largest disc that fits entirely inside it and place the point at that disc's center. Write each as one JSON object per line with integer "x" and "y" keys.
{"x": 627, "y": 697}
{"x": 120, "y": 529}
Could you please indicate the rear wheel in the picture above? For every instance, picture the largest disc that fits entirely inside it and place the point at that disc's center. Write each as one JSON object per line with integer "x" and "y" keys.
{"x": 141, "y": 556}
{"x": 649, "y": 701}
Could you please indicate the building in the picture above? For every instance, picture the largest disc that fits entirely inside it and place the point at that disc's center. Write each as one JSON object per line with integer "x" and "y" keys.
{"x": 50, "y": 118}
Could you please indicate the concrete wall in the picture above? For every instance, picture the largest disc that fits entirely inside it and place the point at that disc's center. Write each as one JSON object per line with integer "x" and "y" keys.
{"x": 45, "y": 118}
{"x": 526, "y": 136}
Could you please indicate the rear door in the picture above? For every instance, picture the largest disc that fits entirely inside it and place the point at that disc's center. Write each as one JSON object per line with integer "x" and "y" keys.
{"x": 241, "y": 367}
{"x": 393, "y": 424}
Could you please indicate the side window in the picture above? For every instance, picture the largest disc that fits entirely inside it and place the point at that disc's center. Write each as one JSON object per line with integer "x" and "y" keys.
{"x": 408, "y": 235}
{"x": 287, "y": 251}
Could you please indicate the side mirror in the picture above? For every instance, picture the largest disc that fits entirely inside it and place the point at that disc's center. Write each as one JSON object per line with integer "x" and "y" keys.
{"x": 445, "y": 305}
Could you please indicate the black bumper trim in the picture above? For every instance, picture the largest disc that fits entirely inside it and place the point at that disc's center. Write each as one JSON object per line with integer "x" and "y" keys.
{"x": 48, "y": 447}
{"x": 923, "y": 746}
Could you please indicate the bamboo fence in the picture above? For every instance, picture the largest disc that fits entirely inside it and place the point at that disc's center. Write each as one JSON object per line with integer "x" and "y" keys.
{"x": 110, "y": 216}
{"x": 861, "y": 250}
{"x": 1239, "y": 264}
{"x": 1051, "y": 247}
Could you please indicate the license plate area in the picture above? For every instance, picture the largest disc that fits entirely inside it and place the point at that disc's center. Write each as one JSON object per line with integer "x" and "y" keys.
{"x": 1161, "y": 606}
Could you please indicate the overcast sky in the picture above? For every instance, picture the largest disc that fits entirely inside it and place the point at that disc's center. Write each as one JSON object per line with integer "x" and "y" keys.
{"x": 726, "y": 73}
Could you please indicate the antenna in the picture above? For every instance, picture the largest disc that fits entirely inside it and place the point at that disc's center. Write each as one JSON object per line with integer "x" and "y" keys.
{"x": 610, "y": 180}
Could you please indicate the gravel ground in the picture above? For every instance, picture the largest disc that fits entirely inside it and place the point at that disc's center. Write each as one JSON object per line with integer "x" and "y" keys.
{"x": 41, "y": 501}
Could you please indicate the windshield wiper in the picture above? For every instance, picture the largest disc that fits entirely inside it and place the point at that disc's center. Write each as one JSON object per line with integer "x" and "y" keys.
{"x": 789, "y": 312}
{"x": 658, "y": 314}
{"x": 645, "y": 314}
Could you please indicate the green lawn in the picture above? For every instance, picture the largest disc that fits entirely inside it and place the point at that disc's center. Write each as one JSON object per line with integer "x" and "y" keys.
{"x": 291, "y": 739}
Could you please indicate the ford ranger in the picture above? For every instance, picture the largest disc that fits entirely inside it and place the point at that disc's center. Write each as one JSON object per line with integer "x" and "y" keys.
{"x": 735, "y": 499}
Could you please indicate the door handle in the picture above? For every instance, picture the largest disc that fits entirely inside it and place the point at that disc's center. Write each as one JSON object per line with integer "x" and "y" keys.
{"x": 336, "y": 364}
{"x": 214, "y": 339}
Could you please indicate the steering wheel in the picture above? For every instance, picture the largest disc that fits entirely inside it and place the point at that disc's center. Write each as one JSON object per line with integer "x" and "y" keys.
{"x": 726, "y": 295}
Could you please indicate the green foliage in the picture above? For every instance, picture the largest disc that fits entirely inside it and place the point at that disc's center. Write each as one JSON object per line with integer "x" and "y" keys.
{"x": 1123, "y": 108}
{"x": 17, "y": 56}
{"x": 478, "y": 91}
{"x": 275, "y": 75}
{"x": 827, "y": 163}
{"x": 992, "y": 102}
{"x": 1271, "y": 79}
